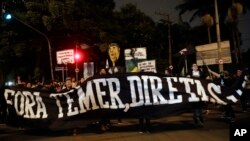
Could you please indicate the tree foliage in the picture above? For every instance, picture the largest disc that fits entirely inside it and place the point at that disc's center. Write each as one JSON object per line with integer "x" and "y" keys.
{"x": 95, "y": 23}
{"x": 200, "y": 8}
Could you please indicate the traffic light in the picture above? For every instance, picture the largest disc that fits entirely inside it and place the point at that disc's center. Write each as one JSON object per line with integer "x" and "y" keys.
{"x": 6, "y": 15}
{"x": 78, "y": 56}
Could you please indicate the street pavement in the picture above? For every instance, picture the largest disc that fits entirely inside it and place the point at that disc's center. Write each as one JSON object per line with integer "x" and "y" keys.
{"x": 169, "y": 128}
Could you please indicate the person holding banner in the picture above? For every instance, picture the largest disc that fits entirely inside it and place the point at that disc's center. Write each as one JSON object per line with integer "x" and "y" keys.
{"x": 68, "y": 85}
{"x": 144, "y": 125}
{"x": 224, "y": 79}
{"x": 170, "y": 71}
{"x": 3, "y": 105}
{"x": 195, "y": 72}
{"x": 104, "y": 123}
{"x": 239, "y": 76}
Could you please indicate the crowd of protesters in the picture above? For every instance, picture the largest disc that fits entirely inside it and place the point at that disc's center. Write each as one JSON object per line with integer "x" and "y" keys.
{"x": 223, "y": 78}
{"x": 54, "y": 86}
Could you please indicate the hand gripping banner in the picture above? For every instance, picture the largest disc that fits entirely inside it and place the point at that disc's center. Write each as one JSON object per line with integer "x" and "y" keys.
{"x": 113, "y": 96}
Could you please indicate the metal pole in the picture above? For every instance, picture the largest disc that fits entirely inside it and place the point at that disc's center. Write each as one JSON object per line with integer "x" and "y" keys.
{"x": 49, "y": 45}
{"x": 209, "y": 35}
{"x": 166, "y": 17}
{"x": 218, "y": 35}
{"x": 63, "y": 74}
{"x": 76, "y": 70}
{"x": 66, "y": 69}
{"x": 169, "y": 42}
{"x": 186, "y": 68}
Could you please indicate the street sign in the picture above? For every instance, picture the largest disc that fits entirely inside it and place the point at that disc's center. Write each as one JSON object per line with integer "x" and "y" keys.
{"x": 65, "y": 56}
{"x": 76, "y": 70}
{"x": 208, "y": 53}
{"x": 59, "y": 68}
{"x": 221, "y": 61}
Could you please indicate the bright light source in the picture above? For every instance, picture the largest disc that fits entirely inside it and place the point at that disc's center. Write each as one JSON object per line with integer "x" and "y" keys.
{"x": 9, "y": 83}
{"x": 77, "y": 56}
{"x": 7, "y": 16}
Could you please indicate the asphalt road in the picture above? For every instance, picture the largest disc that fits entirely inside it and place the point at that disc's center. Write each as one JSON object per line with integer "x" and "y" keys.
{"x": 172, "y": 128}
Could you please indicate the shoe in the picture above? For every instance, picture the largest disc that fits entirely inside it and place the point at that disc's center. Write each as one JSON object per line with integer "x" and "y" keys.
{"x": 148, "y": 131}
{"x": 199, "y": 124}
{"x": 207, "y": 112}
{"x": 74, "y": 132}
{"x": 231, "y": 120}
{"x": 141, "y": 132}
{"x": 103, "y": 128}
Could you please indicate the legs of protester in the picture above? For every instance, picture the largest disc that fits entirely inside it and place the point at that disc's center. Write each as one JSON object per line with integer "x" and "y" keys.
{"x": 119, "y": 120}
{"x": 229, "y": 113}
{"x": 104, "y": 125}
{"x": 148, "y": 125}
{"x": 141, "y": 125}
{"x": 144, "y": 125}
{"x": 198, "y": 114}
{"x": 243, "y": 100}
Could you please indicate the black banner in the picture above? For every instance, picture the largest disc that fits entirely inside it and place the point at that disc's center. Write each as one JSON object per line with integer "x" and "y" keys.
{"x": 112, "y": 96}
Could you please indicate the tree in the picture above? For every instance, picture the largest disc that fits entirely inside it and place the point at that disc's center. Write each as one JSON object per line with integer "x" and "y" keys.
{"x": 232, "y": 21}
{"x": 208, "y": 21}
{"x": 139, "y": 27}
{"x": 228, "y": 11}
{"x": 203, "y": 7}
{"x": 64, "y": 22}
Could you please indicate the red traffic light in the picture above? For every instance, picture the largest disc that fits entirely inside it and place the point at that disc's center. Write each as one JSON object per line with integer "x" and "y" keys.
{"x": 77, "y": 56}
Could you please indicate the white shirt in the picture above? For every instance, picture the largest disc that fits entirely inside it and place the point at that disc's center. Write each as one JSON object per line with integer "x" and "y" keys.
{"x": 196, "y": 74}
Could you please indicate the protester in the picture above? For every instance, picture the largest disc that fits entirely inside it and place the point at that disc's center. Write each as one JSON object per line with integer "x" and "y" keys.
{"x": 239, "y": 76}
{"x": 68, "y": 84}
{"x": 195, "y": 72}
{"x": 224, "y": 79}
{"x": 170, "y": 71}
{"x": 3, "y": 105}
{"x": 104, "y": 123}
{"x": 144, "y": 125}
{"x": 247, "y": 89}
{"x": 82, "y": 80}
{"x": 73, "y": 82}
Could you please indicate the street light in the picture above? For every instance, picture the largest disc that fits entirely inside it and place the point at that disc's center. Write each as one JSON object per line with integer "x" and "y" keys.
{"x": 8, "y": 16}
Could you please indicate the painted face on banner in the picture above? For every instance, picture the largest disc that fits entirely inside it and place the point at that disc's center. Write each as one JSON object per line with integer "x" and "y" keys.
{"x": 114, "y": 53}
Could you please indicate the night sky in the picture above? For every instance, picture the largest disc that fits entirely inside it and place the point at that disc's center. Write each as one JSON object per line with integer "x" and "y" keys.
{"x": 149, "y": 7}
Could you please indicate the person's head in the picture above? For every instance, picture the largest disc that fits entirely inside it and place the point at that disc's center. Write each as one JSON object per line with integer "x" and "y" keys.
{"x": 82, "y": 80}
{"x": 68, "y": 83}
{"x": 170, "y": 67}
{"x": 28, "y": 84}
{"x": 58, "y": 88}
{"x": 195, "y": 67}
{"x": 114, "y": 52}
{"x": 102, "y": 72}
{"x": 73, "y": 79}
{"x": 239, "y": 72}
{"x": 225, "y": 74}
